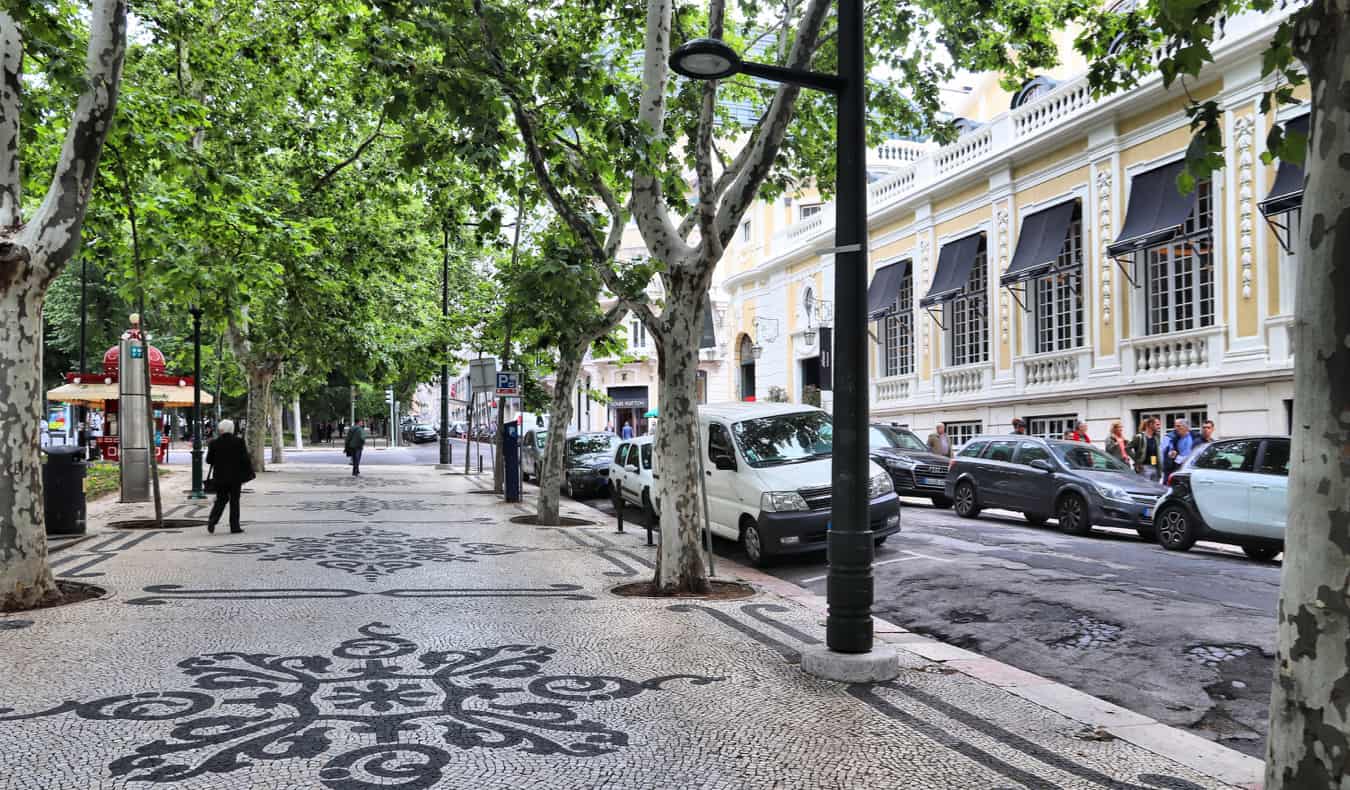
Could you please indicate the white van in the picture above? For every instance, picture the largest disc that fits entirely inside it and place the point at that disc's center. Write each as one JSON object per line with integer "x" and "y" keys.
{"x": 768, "y": 478}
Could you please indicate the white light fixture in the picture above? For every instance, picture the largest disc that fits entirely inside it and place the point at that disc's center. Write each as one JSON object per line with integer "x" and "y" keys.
{"x": 809, "y": 337}
{"x": 756, "y": 351}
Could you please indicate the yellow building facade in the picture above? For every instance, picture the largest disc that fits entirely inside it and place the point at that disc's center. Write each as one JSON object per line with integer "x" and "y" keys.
{"x": 1044, "y": 266}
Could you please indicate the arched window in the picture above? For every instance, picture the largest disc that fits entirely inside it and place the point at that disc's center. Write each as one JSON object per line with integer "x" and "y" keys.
{"x": 1033, "y": 89}
{"x": 746, "y": 354}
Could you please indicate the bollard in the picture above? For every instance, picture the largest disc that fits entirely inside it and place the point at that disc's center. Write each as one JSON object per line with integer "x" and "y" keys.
{"x": 480, "y": 463}
{"x": 619, "y": 513}
{"x": 649, "y": 532}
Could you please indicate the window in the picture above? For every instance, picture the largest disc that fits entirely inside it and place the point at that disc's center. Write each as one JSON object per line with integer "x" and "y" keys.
{"x": 1289, "y": 263}
{"x": 1194, "y": 415}
{"x": 962, "y": 432}
{"x": 637, "y": 334}
{"x": 808, "y": 210}
{"x": 632, "y": 456}
{"x": 719, "y": 441}
{"x": 1236, "y": 456}
{"x": 1000, "y": 451}
{"x": 1087, "y": 457}
{"x": 701, "y": 386}
{"x": 1030, "y": 451}
{"x": 897, "y": 333}
{"x": 745, "y": 230}
{"x": 1274, "y": 458}
{"x": 967, "y": 317}
{"x": 621, "y": 453}
{"x": 785, "y": 438}
{"x": 646, "y": 456}
{"x": 1052, "y": 427}
{"x": 972, "y": 450}
{"x": 1179, "y": 275}
{"x": 1057, "y": 298}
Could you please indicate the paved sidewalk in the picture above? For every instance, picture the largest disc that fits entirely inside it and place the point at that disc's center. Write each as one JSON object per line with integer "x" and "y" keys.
{"x": 396, "y": 631}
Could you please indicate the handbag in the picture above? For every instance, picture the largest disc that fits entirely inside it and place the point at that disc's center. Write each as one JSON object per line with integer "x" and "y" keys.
{"x": 209, "y": 485}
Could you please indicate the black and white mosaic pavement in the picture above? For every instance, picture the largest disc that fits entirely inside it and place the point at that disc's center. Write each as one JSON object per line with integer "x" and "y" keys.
{"x": 212, "y": 666}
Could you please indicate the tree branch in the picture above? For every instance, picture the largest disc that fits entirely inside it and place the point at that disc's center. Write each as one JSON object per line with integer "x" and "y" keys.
{"x": 56, "y": 225}
{"x": 360, "y": 149}
{"x": 703, "y": 144}
{"x": 11, "y": 102}
{"x": 653, "y": 221}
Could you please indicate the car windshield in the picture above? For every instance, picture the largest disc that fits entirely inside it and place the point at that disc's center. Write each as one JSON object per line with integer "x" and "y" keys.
{"x": 785, "y": 438}
{"x": 592, "y": 443}
{"x": 881, "y": 436}
{"x": 1077, "y": 455}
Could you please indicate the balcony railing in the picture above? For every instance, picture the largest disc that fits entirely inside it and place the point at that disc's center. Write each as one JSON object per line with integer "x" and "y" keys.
{"x": 893, "y": 389}
{"x": 965, "y": 380}
{"x": 1054, "y": 369}
{"x": 1169, "y": 355}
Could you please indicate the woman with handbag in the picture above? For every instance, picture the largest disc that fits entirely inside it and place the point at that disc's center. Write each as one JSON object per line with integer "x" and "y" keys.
{"x": 227, "y": 455}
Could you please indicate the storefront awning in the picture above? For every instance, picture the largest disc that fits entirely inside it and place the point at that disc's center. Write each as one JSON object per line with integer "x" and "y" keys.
{"x": 1043, "y": 236}
{"x": 883, "y": 295}
{"x": 955, "y": 261}
{"x": 1287, "y": 192}
{"x": 96, "y": 394}
{"x": 628, "y": 397}
{"x": 1157, "y": 211}
{"x": 708, "y": 338}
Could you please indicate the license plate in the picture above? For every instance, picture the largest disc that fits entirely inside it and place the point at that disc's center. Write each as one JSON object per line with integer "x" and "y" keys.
{"x": 1148, "y": 512}
{"x": 928, "y": 481}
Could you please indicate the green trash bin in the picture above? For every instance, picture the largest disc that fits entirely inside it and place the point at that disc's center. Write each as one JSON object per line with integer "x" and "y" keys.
{"x": 63, "y": 482}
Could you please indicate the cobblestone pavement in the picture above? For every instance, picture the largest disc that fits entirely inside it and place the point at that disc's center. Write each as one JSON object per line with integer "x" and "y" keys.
{"x": 395, "y": 631}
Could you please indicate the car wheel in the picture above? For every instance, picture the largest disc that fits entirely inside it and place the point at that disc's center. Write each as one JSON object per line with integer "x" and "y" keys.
{"x": 1073, "y": 515}
{"x": 1176, "y": 530}
{"x": 567, "y": 487}
{"x": 941, "y": 502}
{"x": 648, "y": 511}
{"x": 1035, "y": 519}
{"x": 753, "y": 544}
{"x": 1261, "y": 553}
{"x": 965, "y": 504}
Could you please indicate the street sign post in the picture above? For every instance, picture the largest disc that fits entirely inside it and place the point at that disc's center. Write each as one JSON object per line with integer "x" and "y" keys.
{"x": 508, "y": 384}
{"x": 482, "y": 373}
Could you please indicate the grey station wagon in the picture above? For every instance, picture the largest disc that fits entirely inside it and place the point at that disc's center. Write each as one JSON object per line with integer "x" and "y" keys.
{"x": 1076, "y": 483}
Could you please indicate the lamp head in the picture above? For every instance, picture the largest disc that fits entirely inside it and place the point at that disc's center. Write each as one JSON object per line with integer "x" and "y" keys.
{"x": 705, "y": 59}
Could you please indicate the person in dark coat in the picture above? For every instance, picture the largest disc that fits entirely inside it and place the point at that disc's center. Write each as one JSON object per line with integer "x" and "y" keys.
{"x": 355, "y": 444}
{"x": 228, "y": 458}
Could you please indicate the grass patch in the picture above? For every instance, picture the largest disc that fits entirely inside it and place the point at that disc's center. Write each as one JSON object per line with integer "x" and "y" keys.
{"x": 102, "y": 478}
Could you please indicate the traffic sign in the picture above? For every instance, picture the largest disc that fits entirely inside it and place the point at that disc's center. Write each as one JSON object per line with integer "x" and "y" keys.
{"x": 508, "y": 384}
{"x": 481, "y": 372}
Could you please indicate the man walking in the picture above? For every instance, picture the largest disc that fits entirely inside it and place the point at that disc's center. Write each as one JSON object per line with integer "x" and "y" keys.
{"x": 938, "y": 443}
{"x": 227, "y": 455}
{"x": 627, "y": 430}
{"x": 1019, "y": 427}
{"x": 356, "y": 442}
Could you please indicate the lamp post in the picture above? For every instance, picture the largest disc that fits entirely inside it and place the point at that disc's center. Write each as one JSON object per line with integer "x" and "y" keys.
{"x": 848, "y": 654}
{"x": 82, "y": 410}
{"x": 445, "y": 365}
{"x": 197, "y": 492}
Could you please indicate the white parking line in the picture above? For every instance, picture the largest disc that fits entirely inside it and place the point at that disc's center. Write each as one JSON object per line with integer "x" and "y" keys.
{"x": 913, "y": 555}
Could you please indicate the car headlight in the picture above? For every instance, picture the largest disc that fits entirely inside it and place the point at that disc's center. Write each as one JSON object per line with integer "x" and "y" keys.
{"x": 781, "y": 502}
{"x": 1112, "y": 492}
{"x": 880, "y": 486}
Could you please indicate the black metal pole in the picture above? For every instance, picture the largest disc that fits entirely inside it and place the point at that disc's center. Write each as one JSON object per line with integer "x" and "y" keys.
{"x": 197, "y": 492}
{"x": 848, "y": 626}
{"x": 82, "y": 410}
{"x": 445, "y": 364}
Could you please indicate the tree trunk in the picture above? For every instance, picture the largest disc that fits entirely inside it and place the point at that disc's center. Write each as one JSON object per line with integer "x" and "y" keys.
{"x": 25, "y": 579}
{"x": 1309, "y": 740}
{"x": 559, "y": 414}
{"x": 259, "y": 396}
{"x": 679, "y": 564}
{"x": 278, "y": 430}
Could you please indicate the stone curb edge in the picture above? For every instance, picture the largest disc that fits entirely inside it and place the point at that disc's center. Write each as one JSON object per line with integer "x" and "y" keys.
{"x": 1188, "y": 749}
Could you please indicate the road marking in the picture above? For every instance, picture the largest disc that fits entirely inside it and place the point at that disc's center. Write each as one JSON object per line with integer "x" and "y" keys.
{"x": 913, "y": 555}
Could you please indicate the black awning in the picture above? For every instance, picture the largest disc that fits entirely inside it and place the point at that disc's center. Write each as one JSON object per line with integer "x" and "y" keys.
{"x": 628, "y": 397}
{"x": 1043, "y": 236}
{"x": 883, "y": 294}
{"x": 953, "y": 269}
{"x": 708, "y": 339}
{"x": 1157, "y": 211}
{"x": 1287, "y": 192}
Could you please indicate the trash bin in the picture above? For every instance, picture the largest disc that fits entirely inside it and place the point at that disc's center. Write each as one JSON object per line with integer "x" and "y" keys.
{"x": 63, "y": 481}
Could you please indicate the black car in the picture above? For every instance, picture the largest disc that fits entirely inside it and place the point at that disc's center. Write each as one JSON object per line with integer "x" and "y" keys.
{"x": 913, "y": 469}
{"x": 1077, "y": 483}
{"x": 419, "y": 433}
{"x": 586, "y": 461}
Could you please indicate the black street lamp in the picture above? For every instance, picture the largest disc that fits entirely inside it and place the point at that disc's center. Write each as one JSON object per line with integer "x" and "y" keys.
{"x": 445, "y": 459}
{"x": 848, "y": 629}
{"x": 197, "y": 492}
{"x": 82, "y": 410}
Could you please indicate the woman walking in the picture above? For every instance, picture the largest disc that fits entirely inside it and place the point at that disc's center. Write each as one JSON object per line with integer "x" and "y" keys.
{"x": 1116, "y": 446}
{"x": 230, "y": 469}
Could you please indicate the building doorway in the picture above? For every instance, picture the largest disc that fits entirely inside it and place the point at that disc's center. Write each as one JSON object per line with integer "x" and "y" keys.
{"x": 746, "y": 353}
{"x": 628, "y": 406}
{"x": 810, "y": 376}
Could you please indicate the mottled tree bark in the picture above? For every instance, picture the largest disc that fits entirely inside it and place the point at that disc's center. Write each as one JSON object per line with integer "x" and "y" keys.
{"x": 32, "y": 254}
{"x": 1309, "y": 742}
{"x": 560, "y": 415}
{"x": 278, "y": 428}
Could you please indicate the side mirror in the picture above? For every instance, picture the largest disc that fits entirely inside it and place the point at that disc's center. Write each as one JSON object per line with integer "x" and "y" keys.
{"x": 724, "y": 462}
{"x": 1042, "y": 464}
{"x": 630, "y": 469}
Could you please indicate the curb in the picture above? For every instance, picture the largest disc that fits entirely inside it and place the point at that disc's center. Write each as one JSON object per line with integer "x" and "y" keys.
{"x": 1185, "y": 748}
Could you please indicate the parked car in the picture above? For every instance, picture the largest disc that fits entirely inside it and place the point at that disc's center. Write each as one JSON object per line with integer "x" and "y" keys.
{"x": 459, "y": 429}
{"x": 1233, "y": 491}
{"x": 1076, "y": 483}
{"x": 586, "y": 460}
{"x": 532, "y": 453}
{"x": 632, "y": 479}
{"x": 913, "y": 469}
{"x": 419, "y": 433}
{"x": 768, "y": 480}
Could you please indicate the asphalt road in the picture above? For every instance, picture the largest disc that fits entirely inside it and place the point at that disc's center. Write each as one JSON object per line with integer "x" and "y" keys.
{"x": 1186, "y": 638}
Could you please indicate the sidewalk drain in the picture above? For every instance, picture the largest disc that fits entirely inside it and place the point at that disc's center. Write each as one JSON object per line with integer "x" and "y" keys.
{"x": 1088, "y": 633}
{"x": 1214, "y": 655}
